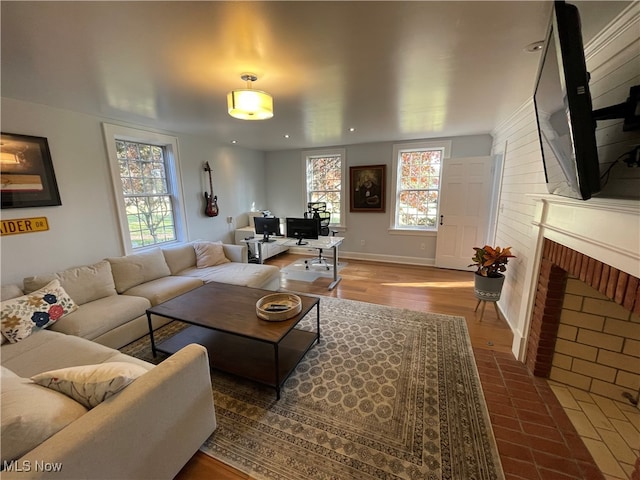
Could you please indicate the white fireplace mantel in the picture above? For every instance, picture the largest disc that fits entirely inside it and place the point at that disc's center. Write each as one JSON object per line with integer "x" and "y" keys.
{"x": 607, "y": 230}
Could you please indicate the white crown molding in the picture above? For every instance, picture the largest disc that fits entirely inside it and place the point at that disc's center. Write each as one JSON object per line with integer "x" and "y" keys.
{"x": 627, "y": 19}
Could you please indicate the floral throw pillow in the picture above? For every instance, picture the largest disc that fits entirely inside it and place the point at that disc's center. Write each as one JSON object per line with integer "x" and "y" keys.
{"x": 39, "y": 309}
{"x": 90, "y": 385}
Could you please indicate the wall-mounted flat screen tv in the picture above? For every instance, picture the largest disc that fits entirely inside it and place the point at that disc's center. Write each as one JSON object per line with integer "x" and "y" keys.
{"x": 562, "y": 100}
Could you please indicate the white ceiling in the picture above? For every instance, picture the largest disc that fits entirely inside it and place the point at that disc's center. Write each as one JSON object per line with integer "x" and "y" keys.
{"x": 392, "y": 70}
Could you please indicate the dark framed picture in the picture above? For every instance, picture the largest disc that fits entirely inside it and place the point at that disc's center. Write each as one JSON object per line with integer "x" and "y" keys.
{"x": 367, "y": 184}
{"x": 27, "y": 178}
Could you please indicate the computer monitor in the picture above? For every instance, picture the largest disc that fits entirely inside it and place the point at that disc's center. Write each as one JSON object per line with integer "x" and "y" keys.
{"x": 302, "y": 229}
{"x": 267, "y": 226}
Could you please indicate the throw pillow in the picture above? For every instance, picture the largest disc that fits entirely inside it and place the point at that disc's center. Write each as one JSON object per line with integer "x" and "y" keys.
{"x": 209, "y": 254}
{"x": 38, "y": 309}
{"x": 30, "y": 414}
{"x": 90, "y": 385}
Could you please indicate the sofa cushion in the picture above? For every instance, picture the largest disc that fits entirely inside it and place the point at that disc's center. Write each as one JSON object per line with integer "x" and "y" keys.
{"x": 95, "y": 318}
{"x": 165, "y": 288}
{"x": 180, "y": 257}
{"x": 90, "y": 385}
{"x": 46, "y": 350}
{"x": 243, "y": 274}
{"x": 209, "y": 254}
{"x": 31, "y": 414}
{"x": 83, "y": 284}
{"x": 10, "y": 291}
{"x": 39, "y": 309}
{"x": 132, "y": 270}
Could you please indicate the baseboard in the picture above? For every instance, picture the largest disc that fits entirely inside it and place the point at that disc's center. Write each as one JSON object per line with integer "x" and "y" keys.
{"x": 372, "y": 257}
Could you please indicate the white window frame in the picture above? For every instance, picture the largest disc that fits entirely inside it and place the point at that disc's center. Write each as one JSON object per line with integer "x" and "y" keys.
{"x": 306, "y": 155}
{"x": 170, "y": 145}
{"x": 445, "y": 146}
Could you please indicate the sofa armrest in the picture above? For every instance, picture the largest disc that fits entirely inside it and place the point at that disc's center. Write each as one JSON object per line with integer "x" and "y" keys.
{"x": 236, "y": 253}
{"x": 149, "y": 430}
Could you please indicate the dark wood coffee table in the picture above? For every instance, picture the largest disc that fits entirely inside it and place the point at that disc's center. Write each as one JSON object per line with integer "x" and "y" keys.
{"x": 223, "y": 319}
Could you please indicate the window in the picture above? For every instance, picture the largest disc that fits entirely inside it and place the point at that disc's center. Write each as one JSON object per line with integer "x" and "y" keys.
{"x": 417, "y": 173}
{"x": 324, "y": 174}
{"x": 145, "y": 179}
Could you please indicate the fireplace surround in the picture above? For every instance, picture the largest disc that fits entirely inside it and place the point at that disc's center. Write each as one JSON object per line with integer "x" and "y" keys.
{"x": 597, "y": 242}
{"x": 557, "y": 263}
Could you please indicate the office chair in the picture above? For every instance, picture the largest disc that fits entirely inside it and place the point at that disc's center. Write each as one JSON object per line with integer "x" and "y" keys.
{"x": 319, "y": 210}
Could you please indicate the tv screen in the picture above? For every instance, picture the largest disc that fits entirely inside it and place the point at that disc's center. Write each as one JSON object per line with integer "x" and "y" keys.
{"x": 564, "y": 114}
{"x": 303, "y": 228}
{"x": 267, "y": 226}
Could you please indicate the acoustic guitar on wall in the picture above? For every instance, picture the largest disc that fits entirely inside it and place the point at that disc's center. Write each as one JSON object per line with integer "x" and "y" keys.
{"x": 211, "y": 200}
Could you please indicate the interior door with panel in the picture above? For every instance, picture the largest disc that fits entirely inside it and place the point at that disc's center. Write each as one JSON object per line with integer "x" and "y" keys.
{"x": 464, "y": 210}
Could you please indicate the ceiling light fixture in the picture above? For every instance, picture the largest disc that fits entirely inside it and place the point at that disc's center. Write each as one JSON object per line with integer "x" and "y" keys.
{"x": 249, "y": 104}
{"x": 534, "y": 47}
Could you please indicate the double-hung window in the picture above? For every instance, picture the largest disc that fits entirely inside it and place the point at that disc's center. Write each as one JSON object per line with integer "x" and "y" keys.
{"x": 147, "y": 188}
{"x": 324, "y": 176}
{"x": 417, "y": 174}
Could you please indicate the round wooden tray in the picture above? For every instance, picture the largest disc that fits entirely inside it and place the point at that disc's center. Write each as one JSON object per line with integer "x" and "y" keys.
{"x": 278, "y": 307}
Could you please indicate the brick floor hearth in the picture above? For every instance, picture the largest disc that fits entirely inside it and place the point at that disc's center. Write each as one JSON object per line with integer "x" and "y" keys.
{"x": 536, "y": 439}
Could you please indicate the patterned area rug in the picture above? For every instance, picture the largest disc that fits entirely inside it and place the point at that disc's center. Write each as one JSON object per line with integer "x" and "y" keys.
{"x": 388, "y": 393}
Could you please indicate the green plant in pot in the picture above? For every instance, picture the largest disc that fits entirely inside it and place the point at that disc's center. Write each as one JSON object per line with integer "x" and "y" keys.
{"x": 490, "y": 263}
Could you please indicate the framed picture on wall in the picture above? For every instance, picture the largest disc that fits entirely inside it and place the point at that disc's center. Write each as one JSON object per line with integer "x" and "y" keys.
{"x": 367, "y": 184}
{"x": 27, "y": 178}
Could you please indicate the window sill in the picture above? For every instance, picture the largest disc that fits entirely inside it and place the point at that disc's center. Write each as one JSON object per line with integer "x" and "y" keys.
{"x": 412, "y": 232}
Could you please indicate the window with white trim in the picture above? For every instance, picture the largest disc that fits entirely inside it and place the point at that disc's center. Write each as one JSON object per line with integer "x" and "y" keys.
{"x": 147, "y": 187}
{"x": 417, "y": 175}
{"x": 324, "y": 174}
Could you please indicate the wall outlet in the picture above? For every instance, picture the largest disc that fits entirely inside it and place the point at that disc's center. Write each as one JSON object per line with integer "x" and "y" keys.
{"x": 362, "y": 243}
{"x": 229, "y": 219}
{"x": 422, "y": 246}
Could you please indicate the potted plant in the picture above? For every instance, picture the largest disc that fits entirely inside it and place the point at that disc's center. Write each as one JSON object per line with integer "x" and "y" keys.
{"x": 490, "y": 263}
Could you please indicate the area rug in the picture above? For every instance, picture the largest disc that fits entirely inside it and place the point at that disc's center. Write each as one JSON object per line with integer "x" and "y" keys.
{"x": 298, "y": 270}
{"x": 388, "y": 393}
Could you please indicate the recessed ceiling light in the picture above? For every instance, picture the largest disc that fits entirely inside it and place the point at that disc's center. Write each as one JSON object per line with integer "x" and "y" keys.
{"x": 286, "y": 135}
{"x": 534, "y": 47}
{"x": 234, "y": 141}
{"x": 352, "y": 129}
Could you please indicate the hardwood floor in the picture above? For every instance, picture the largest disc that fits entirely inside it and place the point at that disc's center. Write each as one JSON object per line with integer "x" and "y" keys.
{"x": 421, "y": 288}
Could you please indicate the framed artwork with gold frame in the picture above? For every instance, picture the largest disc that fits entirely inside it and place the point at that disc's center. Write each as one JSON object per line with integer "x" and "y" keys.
{"x": 367, "y": 188}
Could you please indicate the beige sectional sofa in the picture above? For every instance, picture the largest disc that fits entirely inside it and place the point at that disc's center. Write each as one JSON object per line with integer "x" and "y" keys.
{"x": 114, "y": 294}
{"x": 149, "y": 430}
{"x": 154, "y": 425}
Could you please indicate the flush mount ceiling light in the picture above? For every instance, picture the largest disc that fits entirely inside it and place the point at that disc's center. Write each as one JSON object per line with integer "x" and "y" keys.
{"x": 534, "y": 47}
{"x": 249, "y": 104}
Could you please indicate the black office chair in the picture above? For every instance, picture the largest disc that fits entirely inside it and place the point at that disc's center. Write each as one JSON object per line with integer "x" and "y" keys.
{"x": 319, "y": 210}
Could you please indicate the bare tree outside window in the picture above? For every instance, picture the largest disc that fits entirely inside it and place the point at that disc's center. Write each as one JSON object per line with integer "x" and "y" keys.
{"x": 147, "y": 197}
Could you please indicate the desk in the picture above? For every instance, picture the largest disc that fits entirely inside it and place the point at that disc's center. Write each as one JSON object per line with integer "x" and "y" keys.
{"x": 321, "y": 243}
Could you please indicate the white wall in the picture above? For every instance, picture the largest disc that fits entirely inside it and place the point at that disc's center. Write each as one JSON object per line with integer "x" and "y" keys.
{"x": 285, "y": 169}
{"x": 613, "y": 60}
{"x": 84, "y": 228}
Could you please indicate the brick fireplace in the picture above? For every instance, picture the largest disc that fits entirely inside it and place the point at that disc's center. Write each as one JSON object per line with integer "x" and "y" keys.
{"x": 558, "y": 264}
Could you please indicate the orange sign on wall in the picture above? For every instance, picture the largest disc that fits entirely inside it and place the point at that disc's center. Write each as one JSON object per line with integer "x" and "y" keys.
{"x": 23, "y": 225}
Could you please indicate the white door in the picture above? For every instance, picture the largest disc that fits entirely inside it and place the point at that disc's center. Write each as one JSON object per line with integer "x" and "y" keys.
{"x": 464, "y": 210}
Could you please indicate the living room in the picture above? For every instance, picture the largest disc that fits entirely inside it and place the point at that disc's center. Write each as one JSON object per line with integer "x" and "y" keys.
{"x": 86, "y": 227}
